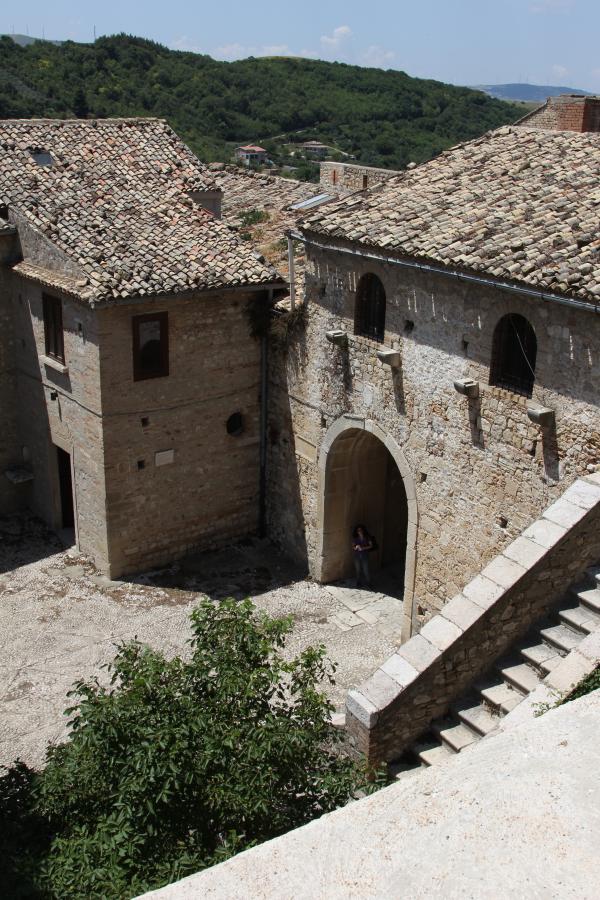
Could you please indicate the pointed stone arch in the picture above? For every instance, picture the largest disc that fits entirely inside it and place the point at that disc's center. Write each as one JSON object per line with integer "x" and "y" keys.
{"x": 341, "y": 446}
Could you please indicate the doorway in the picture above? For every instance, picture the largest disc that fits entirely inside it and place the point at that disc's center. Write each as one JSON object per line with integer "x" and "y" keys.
{"x": 65, "y": 482}
{"x": 363, "y": 484}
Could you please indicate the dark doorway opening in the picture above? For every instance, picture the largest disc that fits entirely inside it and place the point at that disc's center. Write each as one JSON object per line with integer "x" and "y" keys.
{"x": 363, "y": 485}
{"x": 65, "y": 480}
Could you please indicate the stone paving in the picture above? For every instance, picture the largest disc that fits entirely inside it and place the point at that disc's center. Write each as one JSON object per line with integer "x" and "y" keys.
{"x": 60, "y": 620}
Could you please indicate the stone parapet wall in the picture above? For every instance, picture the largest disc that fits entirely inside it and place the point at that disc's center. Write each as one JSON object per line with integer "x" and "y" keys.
{"x": 345, "y": 178}
{"x": 418, "y": 683}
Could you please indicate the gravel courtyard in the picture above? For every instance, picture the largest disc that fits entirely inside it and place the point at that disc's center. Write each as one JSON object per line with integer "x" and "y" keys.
{"x": 60, "y": 620}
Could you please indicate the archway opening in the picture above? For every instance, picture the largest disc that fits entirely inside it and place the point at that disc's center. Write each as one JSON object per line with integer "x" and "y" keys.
{"x": 364, "y": 485}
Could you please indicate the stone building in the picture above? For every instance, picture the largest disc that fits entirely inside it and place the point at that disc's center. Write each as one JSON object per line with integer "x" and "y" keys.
{"x": 445, "y": 386}
{"x": 346, "y": 178}
{"x": 130, "y": 387}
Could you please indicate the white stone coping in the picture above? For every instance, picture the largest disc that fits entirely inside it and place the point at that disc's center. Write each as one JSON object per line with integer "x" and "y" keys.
{"x": 464, "y": 610}
{"x": 519, "y": 817}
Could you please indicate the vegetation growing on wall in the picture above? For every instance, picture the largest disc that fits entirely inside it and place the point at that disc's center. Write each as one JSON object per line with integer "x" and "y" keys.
{"x": 383, "y": 118}
{"x": 177, "y": 764}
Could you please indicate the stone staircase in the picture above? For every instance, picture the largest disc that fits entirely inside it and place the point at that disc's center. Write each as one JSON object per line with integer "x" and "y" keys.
{"x": 512, "y": 678}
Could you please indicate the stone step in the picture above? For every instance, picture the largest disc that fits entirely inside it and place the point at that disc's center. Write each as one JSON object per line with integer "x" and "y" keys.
{"x": 542, "y": 656}
{"x": 478, "y": 718}
{"x": 400, "y": 770}
{"x": 456, "y": 736}
{"x": 521, "y": 676}
{"x": 579, "y": 619}
{"x": 501, "y": 697}
{"x": 561, "y": 637}
{"x": 431, "y": 756}
{"x": 590, "y": 599}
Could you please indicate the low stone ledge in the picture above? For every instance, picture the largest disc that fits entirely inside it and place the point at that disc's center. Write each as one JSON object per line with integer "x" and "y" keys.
{"x": 417, "y": 684}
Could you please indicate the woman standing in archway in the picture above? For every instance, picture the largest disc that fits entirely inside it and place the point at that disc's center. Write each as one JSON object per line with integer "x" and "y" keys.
{"x": 362, "y": 543}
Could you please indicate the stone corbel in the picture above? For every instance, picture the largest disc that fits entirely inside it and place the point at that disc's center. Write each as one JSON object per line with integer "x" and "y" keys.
{"x": 389, "y": 358}
{"x": 541, "y": 415}
{"x": 338, "y": 337}
{"x": 467, "y": 387}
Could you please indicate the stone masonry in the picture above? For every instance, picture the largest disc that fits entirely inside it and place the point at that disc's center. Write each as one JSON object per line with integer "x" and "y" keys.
{"x": 568, "y": 112}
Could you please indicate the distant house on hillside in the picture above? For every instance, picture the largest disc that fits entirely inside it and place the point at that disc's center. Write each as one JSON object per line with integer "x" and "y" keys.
{"x": 251, "y": 154}
{"x": 315, "y": 148}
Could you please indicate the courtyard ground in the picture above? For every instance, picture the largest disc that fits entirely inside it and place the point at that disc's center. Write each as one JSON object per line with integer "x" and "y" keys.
{"x": 60, "y": 620}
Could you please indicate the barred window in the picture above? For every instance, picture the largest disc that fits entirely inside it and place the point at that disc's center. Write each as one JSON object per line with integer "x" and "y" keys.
{"x": 514, "y": 351}
{"x": 369, "y": 310}
{"x": 53, "y": 327}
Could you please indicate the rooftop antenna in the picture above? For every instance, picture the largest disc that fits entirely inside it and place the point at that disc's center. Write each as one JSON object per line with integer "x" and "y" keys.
{"x": 94, "y": 34}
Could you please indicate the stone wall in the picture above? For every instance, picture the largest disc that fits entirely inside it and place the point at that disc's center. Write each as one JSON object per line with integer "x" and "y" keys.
{"x": 568, "y": 112}
{"x": 479, "y": 470}
{"x": 348, "y": 177}
{"x": 11, "y": 496}
{"x": 204, "y": 488}
{"x": 418, "y": 683}
{"x": 61, "y": 409}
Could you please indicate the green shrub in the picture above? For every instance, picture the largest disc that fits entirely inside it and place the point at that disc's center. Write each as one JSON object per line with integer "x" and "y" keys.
{"x": 179, "y": 763}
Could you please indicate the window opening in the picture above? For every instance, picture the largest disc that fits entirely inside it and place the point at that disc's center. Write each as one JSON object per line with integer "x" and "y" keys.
{"x": 53, "y": 327}
{"x": 514, "y": 351}
{"x": 42, "y": 157}
{"x": 369, "y": 312}
{"x": 365, "y": 182}
{"x": 150, "y": 346}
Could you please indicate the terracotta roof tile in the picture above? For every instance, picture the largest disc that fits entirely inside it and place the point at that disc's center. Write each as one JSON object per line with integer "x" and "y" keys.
{"x": 116, "y": 199}
{"x": 520, "y": 204}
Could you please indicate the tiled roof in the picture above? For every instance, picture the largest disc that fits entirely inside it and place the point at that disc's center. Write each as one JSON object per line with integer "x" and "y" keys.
{"x": 116, "y": 200}
{"x": 518, "y": 204}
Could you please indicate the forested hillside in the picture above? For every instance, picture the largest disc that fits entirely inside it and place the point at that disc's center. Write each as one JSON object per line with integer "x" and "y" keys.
{"x": 383, "y": 118}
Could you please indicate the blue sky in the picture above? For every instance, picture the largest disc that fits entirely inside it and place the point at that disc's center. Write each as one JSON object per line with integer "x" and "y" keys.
{"x": 460, "y": 41}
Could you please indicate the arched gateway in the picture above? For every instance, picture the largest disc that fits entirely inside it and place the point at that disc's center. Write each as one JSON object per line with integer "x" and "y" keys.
{"x": 364, "y": 477}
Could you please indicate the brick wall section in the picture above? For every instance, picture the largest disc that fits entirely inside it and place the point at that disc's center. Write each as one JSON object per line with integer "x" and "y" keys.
{"x": 566, "y": 113}
{"x": 209, "y": 493}
{"x": 474, "y": 464}
{"x": 417, "y": 684}
{"x": 348, "y": 177}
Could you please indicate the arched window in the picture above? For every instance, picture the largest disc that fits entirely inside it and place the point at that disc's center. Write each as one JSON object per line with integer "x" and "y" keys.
{"x": 514, "y": 350}
{"x": 369, "y": 310}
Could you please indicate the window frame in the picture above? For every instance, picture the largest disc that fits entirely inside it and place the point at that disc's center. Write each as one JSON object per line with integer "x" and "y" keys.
{"x": 139, "y": 373}
{"x": 54, "y": 338}
{"x": 506, "y": 345}
{"x": 370, "y": 309}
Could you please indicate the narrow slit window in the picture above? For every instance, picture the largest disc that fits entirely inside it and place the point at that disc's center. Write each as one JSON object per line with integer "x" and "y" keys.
{"x": 150, "y": 346}
{"x": 369, "y": 311}
{"x": 53, "y": 327}
{"x": 514, "y": 352}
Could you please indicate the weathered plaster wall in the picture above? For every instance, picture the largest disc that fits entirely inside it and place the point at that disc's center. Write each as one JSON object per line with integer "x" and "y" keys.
{"x": 209, "y": 492}
{"x": 71, "y": 420}
{"x": 481, "y": 470}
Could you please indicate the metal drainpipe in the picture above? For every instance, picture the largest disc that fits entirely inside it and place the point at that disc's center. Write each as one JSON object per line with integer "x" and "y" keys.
{"x": 292, "y": 273}
{"x": 264, "y": 399}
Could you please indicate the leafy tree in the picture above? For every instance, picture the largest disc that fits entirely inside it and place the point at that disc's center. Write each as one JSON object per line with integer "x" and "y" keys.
{"x": 384, "y": 118}
{"x": 179, "y": 763}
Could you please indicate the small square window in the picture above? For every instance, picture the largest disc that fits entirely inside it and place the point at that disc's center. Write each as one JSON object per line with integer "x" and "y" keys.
{"x": 150, "y": 346}
{"x": 53, "y": 327}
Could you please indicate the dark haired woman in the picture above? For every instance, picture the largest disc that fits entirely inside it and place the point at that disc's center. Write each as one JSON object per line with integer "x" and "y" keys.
{"x": 361, "y": 544}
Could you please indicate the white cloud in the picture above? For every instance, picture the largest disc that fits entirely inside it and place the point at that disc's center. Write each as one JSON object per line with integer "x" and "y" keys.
{"x": 376, "y": 57}
{"x": 560, "y": 71}
{"x": 276, "y": 50}
{"x": 232, "y": 51}
{"x": 338, "y": 36}
{"x": 551, "y": 6}
{"x": 185, "y": 43}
